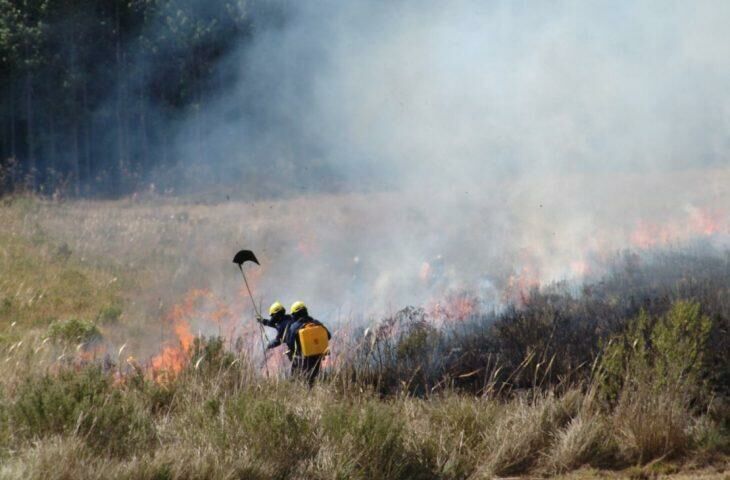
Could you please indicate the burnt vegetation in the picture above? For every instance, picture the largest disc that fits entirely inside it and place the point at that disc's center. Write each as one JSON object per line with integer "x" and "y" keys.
{"x": 627, "y": 371}
{"x": 101, "y": 100}
{"x": 559, "y": 336}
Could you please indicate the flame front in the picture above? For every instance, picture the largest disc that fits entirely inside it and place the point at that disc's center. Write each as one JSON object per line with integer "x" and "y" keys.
{"x": 173, "y": 358}
{"x": 203, "y": 311}
{"x": 697, "y": 223}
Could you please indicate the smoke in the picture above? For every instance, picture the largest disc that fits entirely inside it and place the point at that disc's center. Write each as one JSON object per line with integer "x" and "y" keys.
{"x": 485, "y": 141}
{"x": 392, "y": 94}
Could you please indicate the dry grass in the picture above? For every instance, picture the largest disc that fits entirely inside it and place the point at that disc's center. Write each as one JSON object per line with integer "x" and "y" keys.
{"x": 652, "y": 424}
{"x": 235, "y": 424}
{"x": 42, "y": 281}
{"x": 60, "y": 419}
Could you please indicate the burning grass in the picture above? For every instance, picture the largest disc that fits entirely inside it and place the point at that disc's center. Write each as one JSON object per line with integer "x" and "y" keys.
{"x": 626, "y": 372}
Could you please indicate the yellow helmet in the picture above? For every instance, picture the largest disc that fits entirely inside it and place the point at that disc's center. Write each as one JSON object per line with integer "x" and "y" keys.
{"x": 297, "y": 307}
{"x": 275, "y": 308}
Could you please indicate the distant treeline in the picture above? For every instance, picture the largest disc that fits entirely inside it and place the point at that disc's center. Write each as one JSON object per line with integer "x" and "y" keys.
{"x": 89, "y": 89}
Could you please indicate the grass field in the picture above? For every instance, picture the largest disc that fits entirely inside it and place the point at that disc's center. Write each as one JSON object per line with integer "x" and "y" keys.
{"x": 87, "y": 290}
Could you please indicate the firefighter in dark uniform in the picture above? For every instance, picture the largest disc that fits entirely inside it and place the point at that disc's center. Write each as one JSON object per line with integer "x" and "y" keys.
{"x": 308, "y": 367}
{"x": 278, "y": 320}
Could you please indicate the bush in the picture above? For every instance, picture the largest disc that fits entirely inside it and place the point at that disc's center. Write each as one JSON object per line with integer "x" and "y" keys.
{"x": 109, "y": 315}
{"x": 664, "y": 354}
{"x": 679, "y": 340}
{"x": 403, "y": 353}
{"x": 83, "y": 403}
{"x": 209, "y": 357}
{"x": 73, "y": 331}
{"x": 708, "y": 437}
{"x": 653, "y": 374}
{"x": 553, "y": 338}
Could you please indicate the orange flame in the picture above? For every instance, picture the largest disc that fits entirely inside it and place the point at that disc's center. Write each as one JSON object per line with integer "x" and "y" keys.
{"x": 453, "y": 309}
{"x": 698, "y": 223}
{"x": 705, "y": 222}
{"x": 580, "y": 268}
{"x": 173, "y": 358}
{"x": 520, "y": 283}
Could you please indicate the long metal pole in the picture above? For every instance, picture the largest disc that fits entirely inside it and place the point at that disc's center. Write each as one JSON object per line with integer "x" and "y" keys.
{"x": 256, "y": 310}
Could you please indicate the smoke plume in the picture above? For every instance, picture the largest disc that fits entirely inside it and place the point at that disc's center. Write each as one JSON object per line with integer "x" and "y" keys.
{"x": 470, "y": 145}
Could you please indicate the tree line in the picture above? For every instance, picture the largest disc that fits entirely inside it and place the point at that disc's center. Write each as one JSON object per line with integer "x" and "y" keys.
{"x": 89, "y": 89}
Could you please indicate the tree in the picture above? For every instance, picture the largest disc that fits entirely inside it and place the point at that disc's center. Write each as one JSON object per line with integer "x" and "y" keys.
{"x": 90, "y": 89}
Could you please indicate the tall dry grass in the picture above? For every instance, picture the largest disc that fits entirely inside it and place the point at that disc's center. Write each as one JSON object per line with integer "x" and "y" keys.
{"x": 226, "y": 421}
{"x": 65, "y": 414}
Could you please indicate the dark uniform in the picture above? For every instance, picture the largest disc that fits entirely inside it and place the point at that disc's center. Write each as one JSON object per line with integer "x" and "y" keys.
{"x": 280, "y": 323}
{"x": 305, "y": 366}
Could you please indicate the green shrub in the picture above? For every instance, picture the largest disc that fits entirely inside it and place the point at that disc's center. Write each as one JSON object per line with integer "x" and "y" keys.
{"x": 159, "y": 397}
{"x": 652, "y": 375}
{"x": 679, "y": 339}
{"x": 624, "y": 356}
{"x": 73, "y": 331}
{"x": 665, "y": 353}
{"x": 708, "y": 437}
{"x": 83, "y": 403}
{"x": 209, "y": 356}
{"x": 109, "y": 315}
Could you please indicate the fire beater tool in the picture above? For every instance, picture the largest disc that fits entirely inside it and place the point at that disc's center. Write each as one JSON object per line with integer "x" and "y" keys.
{"x": 239, "y": 259}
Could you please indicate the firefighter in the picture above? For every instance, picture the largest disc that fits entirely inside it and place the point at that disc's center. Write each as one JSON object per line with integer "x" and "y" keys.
{"x": 304, "y": 365}
{"x": 278, "y": 320}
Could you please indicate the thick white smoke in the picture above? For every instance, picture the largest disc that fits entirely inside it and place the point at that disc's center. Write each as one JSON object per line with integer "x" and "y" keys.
{"x": 425, "y": 91}
{"x": 500, "y": 135}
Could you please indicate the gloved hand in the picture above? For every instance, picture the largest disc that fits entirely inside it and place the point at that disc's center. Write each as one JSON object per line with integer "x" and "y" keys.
{"x": 259, "y": 319}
